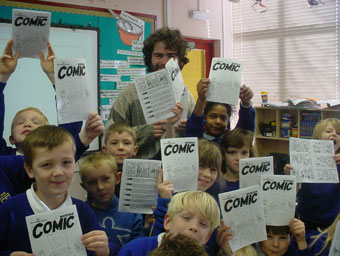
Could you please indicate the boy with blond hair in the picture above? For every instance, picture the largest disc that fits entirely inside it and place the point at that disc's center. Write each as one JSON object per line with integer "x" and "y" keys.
{"x": 99, "y": 175}
{"x": 49, "y": 159}
{"x": 192, "y": 213}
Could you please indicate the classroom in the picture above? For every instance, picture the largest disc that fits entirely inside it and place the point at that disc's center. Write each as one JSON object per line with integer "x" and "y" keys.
{"x": 168, "y": 127}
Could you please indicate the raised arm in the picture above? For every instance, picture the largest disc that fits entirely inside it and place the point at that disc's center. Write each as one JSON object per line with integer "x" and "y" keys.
{"x": 195, "y": 123}
{"x": 246, "y": 113}
{"x": 47, "y": 64}
{"x": 8, "y": 63}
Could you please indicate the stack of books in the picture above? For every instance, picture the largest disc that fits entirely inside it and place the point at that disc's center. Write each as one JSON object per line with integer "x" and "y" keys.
{"x": 308, "y": 122}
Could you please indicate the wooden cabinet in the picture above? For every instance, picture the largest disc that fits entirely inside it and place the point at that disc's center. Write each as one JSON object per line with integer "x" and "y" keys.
{"x": 276, "y": 143}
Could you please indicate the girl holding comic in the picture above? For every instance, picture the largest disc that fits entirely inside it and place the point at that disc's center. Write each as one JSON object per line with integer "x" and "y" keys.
{"x": 319, "y": 203}
{"x": 210, "y": 120}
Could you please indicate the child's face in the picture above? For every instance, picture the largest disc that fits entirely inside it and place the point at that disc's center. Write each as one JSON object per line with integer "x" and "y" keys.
{"x": 275, "y": 245}
{"x": 53, "y": 171}
{"x": 216, "y": 120}
{"x": 329, "y": 133}
{"x": 121, "y": 146}
{"x": 206, "y": 178}
{"x": 233, "y": 156}
{"x": 100, "y": 183}
{"x": 190, "y": 223}
{"x": 23, "y": 124}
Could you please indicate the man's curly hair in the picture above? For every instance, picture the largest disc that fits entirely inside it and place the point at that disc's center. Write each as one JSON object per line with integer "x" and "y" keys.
{"x": 179, "y": 245}
{"x": 173, "y": 40}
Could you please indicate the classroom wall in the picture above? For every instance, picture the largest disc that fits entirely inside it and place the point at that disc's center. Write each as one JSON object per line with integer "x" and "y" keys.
{"x": 179, "y": 16}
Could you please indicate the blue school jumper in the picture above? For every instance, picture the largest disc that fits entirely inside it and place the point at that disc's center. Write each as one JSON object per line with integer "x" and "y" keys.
{"x": 120, "y": 227}
{"x": 13, "y": 230}
{"x": 139, "y": 247}
{"x": 319, "y": 203}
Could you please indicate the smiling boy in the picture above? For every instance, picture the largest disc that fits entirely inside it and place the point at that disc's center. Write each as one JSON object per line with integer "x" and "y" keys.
{"x": 49, "y": 159}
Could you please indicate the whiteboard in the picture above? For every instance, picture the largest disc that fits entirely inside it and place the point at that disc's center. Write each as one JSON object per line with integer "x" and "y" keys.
{"x": 29, "y": 86}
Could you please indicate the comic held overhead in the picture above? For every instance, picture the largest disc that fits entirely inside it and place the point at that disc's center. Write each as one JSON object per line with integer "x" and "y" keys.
{"x": 312, "y": 160}
{"x": 180, "y": 162}
{"x": 242, "y": 211}
{"x": 72, "y": 90}
{"x": 278, "y": 197}
{"x": 252, "y": 168}
{"x": 226, "y": 78}
{"x": 56, "y": 232}
{"x": 138, "y": 190}
{"x": 30, "y": 32}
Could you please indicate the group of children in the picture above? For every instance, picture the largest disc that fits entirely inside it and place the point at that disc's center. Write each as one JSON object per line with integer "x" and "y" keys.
{"x": 38, "y": 182}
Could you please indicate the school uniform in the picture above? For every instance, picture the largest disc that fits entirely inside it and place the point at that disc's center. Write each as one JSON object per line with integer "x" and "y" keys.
{"x": 13, "y": 229}
{"x": 158, "y": 226}
{"x": 141, "y": 246}
{"x": 318, "y": 203}
{"x": 120, "y": 227}
{"x": 13, "y": 177}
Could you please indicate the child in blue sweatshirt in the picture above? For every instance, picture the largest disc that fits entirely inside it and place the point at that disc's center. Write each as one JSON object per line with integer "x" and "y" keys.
{"x": 49, "y": 159}
{"x": 192, "y": 213}
{"x": 319, "y": 203}
{"x": 99, "y": 175}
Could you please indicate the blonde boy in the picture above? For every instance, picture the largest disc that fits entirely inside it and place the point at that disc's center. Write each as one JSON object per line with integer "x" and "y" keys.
{"x": 193, "y": 213}
{"x": 99, "y": 175}
{"x": 49, "y": 159}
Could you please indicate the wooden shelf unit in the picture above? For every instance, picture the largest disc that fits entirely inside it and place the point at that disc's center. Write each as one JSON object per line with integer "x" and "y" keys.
{"x": 264, "y": 144}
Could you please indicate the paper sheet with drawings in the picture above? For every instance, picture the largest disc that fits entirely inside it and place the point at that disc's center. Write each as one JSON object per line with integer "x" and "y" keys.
{"x": 312, "y": 161}
{"x": 252, "y": 168}
{"x": 56, "y": 232}
{"x": 278, "y": 193}
{"x": 138, "y": 190}
{"x": 72, "y": 90}
{"x": 156, "y": 95}
{"x": 30, "y": 32}
{"x": 335, "y": 247}
{"x": 242, "y": 211}
{"x": 176, "y": 78}
{"x": 226, "y": 78}
{"x": 180, "y": 162}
